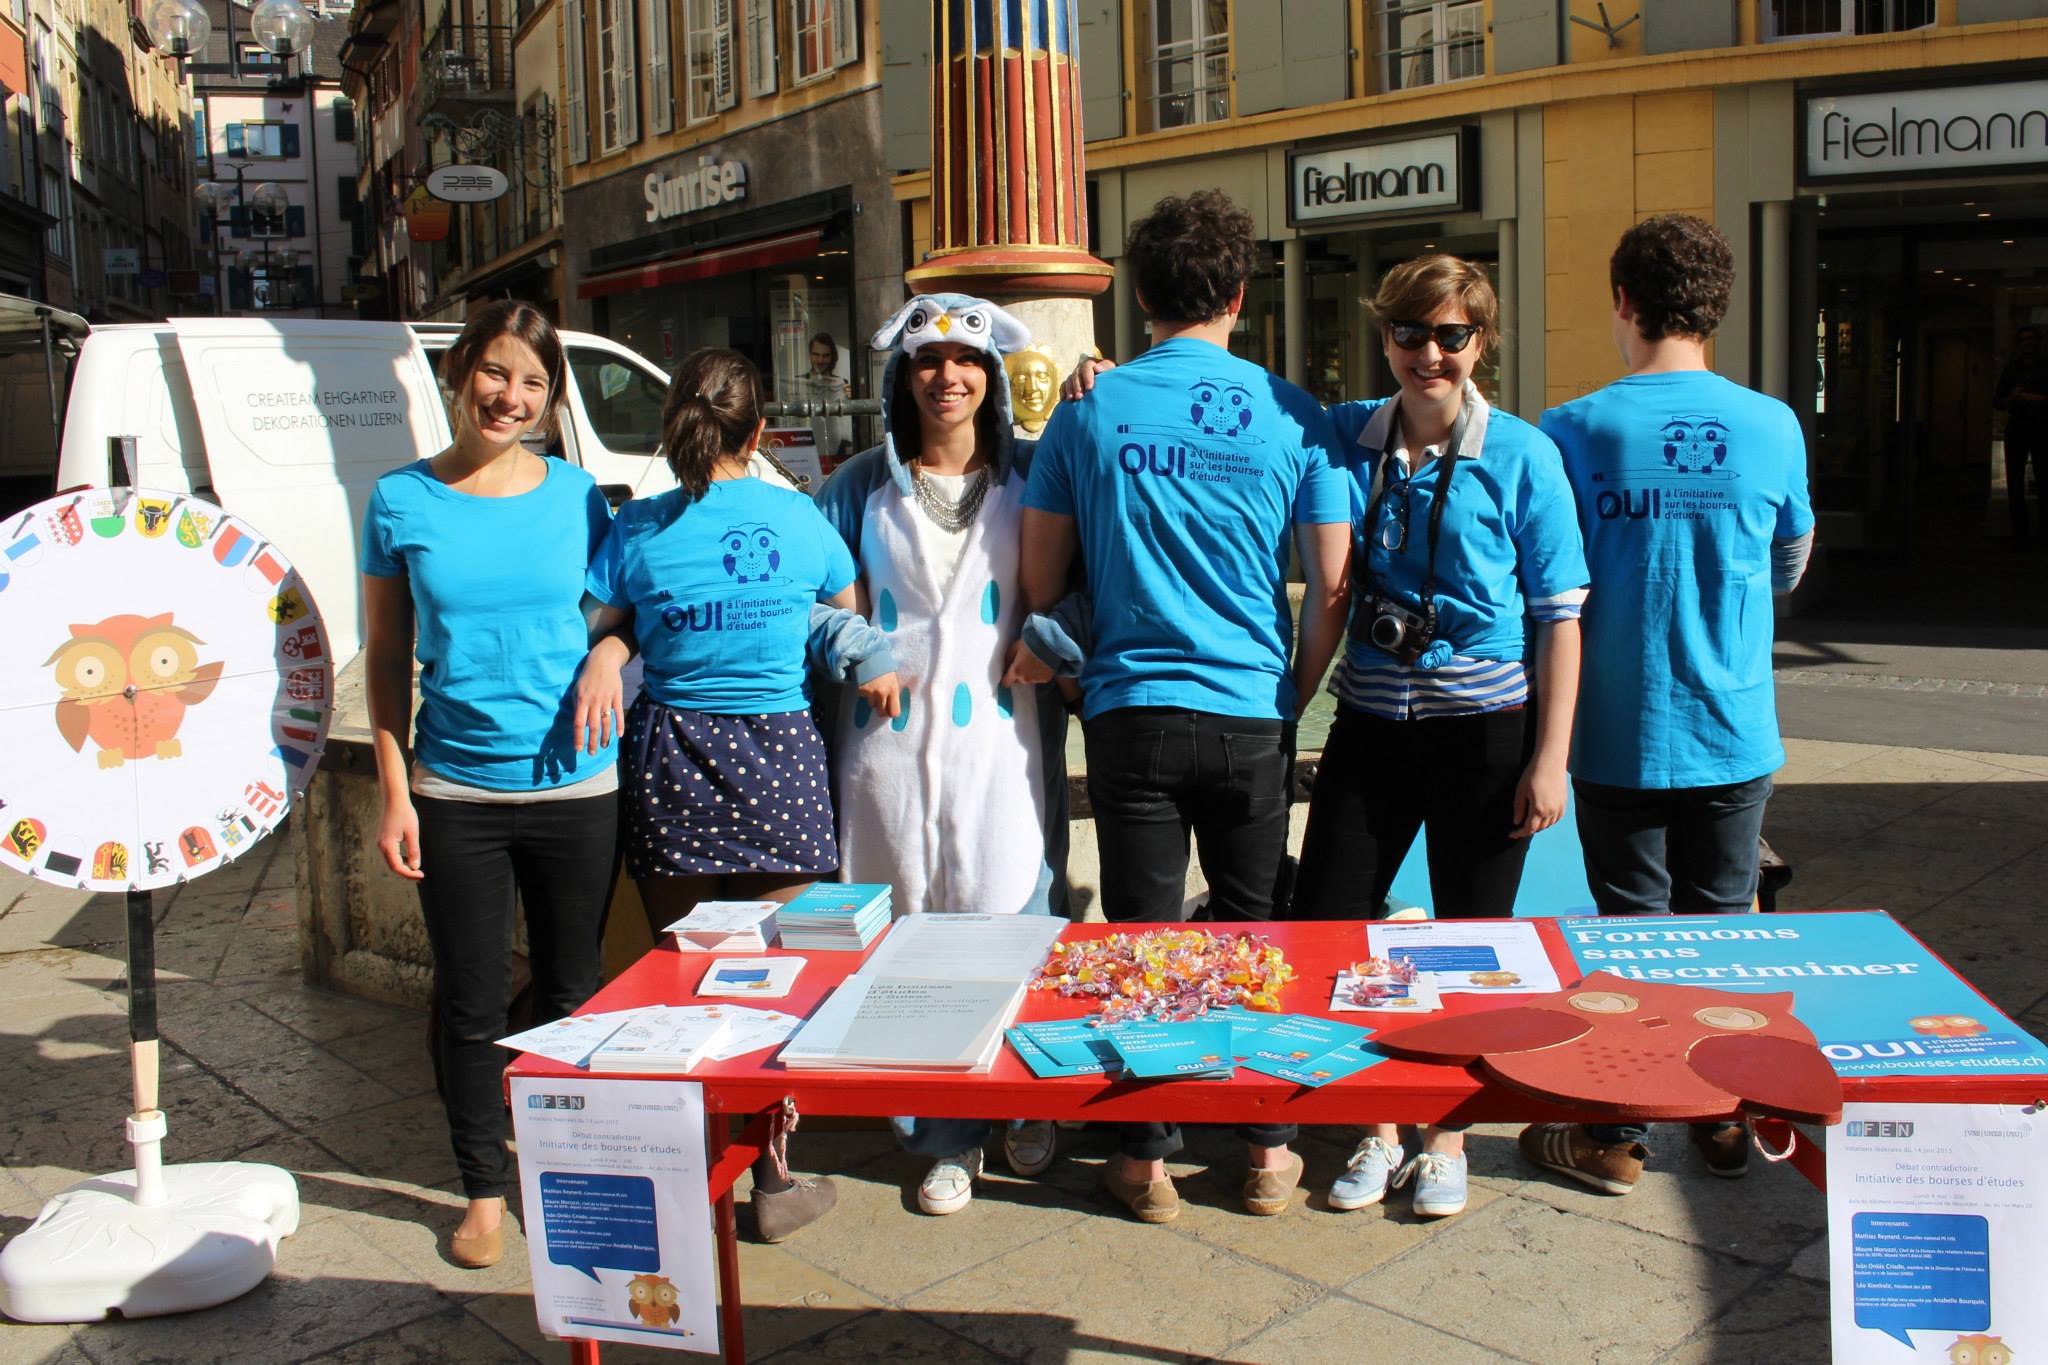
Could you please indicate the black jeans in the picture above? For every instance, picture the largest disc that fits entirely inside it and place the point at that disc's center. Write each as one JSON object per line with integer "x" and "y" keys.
{"x": 1154, "y": 773}
{"x": 558, "y": 858}
{"x": 1382, "y": 781}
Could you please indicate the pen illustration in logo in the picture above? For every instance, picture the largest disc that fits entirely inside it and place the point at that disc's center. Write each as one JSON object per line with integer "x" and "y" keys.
{"x": 751, "y": 555}
{"x": 1695, "y": 445}
{"x": 96, "y": 667}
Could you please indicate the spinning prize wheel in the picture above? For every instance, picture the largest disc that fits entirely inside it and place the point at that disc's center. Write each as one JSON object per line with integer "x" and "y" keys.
{"x": 164, "y": 699}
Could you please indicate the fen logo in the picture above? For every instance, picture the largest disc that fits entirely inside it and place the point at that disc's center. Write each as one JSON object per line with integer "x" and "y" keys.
{"x": 1878, "y": 1128}
{"x": 554, "y": 1101}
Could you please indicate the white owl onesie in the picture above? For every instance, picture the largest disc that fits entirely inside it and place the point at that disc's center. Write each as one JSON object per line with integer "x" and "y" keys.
{"x": 952, "y": 802}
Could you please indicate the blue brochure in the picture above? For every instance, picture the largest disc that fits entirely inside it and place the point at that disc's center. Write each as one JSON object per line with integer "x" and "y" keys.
{"x": 1193, "y": 1049}
{"x": 1878, "y": 1003}
{"x": 1295, "y": 1038}
{"x": 1331, "y": 1066}
{"x": 1042, "y": 1063}
{"x": 1072, "y": 1043}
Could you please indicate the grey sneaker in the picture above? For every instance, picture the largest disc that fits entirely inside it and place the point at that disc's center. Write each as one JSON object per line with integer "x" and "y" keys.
{"x": 778, "y": 1213}
{"x": 1365, "y": 1177}
{"x": 949, "y": 1185}
{"x": 1028, "y": 1147}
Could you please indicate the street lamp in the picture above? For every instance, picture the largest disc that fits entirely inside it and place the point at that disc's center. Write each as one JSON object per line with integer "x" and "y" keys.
{"x": 179, "y": 27}
{"x": 217, "y": 198}
{"x": 283, "y": 27}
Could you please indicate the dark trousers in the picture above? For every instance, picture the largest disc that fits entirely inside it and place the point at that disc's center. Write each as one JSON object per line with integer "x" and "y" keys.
{"x": 558, "y": 859}
{"x": 1383, "y": 781}
{"x": 1155, "y": 774}
{"x": 1678, "y": 850}
{"x": 2023, "y": 442}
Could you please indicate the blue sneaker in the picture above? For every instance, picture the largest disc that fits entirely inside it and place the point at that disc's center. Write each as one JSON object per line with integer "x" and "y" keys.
{"x": 1439, "y": 1183}
{"x": 1365, "y": 1178}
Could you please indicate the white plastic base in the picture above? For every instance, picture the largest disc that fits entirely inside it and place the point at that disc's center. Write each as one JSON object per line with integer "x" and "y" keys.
{"x": 95, "y": 1251}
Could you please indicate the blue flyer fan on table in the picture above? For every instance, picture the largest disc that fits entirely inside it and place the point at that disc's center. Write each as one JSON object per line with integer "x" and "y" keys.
{"x": 164, "y": 699}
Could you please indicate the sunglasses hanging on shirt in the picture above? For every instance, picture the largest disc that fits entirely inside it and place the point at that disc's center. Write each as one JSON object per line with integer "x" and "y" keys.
{"x": 1451, "y": 337}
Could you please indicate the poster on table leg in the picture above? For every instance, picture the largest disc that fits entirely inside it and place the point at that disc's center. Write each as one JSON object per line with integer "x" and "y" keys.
{"x": 618, "y": 1213}
{"x": 1937, "y": 1249}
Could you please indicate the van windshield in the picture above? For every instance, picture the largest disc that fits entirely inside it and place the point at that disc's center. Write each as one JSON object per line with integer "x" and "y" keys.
{"x": 622, "y": 401}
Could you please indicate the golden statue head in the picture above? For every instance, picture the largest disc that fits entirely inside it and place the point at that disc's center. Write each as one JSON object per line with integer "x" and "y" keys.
{"x": 1034, "y": 386}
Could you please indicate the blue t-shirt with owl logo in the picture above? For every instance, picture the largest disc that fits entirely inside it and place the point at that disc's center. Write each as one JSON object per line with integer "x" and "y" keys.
{"x": 1185, "y": 472}
{"x": 721, "y": 591}
{"x": 1683, "y": 480}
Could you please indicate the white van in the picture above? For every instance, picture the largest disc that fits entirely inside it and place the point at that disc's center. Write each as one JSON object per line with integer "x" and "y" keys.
{"x": 289, "y": 422}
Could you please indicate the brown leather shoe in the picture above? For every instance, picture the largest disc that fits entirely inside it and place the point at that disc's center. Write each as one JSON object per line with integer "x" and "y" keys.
{"x": 1267, "y": 1193}
{"x": 1569, "y": 1149}
{"x": 480, "y": 1252}
{"x": 1150, "y": 1201}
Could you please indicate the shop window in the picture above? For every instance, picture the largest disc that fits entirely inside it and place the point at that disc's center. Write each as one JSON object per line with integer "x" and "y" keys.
{"x": 761, "y": 52}
{"x": 1788, "y": 19}
{"x": 1190, "y": 62}
{"x": 618, "y": 94}
{"x": 708, "y": 53}
{"x": 823, "y": 36}
{"x": 622, "y": 401}
{"x": 1425, "y": 43}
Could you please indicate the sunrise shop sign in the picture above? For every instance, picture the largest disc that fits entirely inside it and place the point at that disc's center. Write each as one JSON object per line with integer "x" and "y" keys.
{"x": 704, "y": 186}
{"x": 1927, "y": 131}
{"x": 1378, "y": 179}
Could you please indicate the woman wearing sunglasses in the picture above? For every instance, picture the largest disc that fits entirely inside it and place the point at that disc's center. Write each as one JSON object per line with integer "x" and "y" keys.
{"x": 1456, "y": 687}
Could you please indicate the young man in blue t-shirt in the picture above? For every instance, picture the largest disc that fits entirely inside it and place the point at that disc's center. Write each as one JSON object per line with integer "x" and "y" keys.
{"x": 1178, "y": 481}
{"x": 1692, "y": 496}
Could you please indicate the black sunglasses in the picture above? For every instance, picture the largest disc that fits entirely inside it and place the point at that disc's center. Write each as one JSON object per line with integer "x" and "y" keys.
{"x": 1451, "y": 337}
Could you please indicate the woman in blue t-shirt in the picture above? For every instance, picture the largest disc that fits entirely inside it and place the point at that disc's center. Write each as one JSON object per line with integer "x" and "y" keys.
{"x": 726, "y": 791}
{"x": 503, "y": 798}
{"x": 1456, "y": 688}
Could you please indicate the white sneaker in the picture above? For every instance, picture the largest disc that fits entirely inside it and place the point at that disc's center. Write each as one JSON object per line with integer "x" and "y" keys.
{"x": 949, "y": 1185}
{"x": 1028, "y": 1147}
{"x": 1365, "y": 1177}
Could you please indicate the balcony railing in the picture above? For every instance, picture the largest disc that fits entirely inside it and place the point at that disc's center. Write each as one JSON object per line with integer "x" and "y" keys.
{"x": 465, "y": 64}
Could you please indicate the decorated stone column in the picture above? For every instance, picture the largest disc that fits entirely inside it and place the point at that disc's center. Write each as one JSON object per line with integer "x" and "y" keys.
{"x": 1009, "y": 197}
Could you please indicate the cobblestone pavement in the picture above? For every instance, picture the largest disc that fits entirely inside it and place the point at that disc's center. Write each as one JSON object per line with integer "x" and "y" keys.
{"x": 1684, "y": 1270}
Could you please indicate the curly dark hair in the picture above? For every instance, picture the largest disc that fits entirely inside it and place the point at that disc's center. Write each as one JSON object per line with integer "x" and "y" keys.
{"x": 1189, "y": 257}
{"x": 1678, "y": 272}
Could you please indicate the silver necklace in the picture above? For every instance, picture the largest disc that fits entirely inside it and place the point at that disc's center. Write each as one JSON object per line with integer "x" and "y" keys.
{"x": 950, "y": 517}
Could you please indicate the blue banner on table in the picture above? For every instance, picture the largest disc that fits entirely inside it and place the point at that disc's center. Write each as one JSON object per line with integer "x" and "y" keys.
{"x": 1878, "y": 1002}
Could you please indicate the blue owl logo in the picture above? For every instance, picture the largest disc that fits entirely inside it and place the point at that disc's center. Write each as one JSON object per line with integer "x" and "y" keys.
{"x": 750, "y": 553}
{"x": 1695, "y": 445}
{"x": 1220, "y": 409}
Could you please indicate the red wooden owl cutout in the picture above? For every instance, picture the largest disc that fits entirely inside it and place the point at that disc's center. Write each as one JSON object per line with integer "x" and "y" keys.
{"x": 1642, "y": 1049}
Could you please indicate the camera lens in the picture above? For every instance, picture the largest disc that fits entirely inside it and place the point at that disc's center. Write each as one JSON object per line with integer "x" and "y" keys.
{"x": 1387, "y": 633}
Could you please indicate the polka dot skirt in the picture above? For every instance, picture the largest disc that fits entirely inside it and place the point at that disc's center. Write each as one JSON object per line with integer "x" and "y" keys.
{"x": 719, "y": 794}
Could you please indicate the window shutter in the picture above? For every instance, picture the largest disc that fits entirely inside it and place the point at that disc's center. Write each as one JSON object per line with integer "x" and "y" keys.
{"x": 845, "y": 32}
{"x": 288, "y": 140}
{"x": 238, "y": 221}
{"x": 344, "y": 120}
{"x": 906, "y": 87}
{"x": 238, "y": 288}
{"x": 628, "y": 77}
{"x": 295, "y": 221}
{"x": 661, "y": 97}
{"x": 760, "y": 48}
{"x": 575, "y": 110}
{"x": 1102, "y": 69}
{"x": 725, "y": 88}
{"x": 236, "y": 146}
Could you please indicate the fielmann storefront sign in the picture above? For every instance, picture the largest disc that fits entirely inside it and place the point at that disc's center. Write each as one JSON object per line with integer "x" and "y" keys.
{"x": 1918, "y": 132}
{"x": 1378, "y": 179}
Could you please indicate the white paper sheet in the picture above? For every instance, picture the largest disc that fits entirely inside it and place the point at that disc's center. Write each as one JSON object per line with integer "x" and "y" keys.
{"x": 761, "y": 978}
{"x": 570, "y": 1040}
{"x": 1474, "y": 957}
{"x": 965, "y": 947}
{"x": 752, "y": 1030}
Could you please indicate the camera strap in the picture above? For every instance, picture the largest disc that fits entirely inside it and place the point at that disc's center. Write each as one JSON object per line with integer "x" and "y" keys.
{"x": 1368, "y": 582}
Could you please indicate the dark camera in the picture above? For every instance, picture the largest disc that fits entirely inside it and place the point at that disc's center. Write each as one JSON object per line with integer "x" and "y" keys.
{"x": 1397, "y": 629}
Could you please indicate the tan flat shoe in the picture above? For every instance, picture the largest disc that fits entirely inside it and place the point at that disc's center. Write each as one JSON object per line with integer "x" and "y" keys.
{"x": 479, "y": 1252}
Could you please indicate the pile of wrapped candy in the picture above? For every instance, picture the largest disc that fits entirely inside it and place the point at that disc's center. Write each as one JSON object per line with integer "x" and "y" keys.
{"x": 1167, "y": 974}
{"x": 1377, "y": 979}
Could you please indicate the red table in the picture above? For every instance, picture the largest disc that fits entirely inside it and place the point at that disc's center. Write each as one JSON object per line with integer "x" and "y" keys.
{"x": 1393, "y": 1091}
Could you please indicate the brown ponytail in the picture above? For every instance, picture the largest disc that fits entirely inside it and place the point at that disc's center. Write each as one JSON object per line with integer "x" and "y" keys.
{"x": 712, "y": 411}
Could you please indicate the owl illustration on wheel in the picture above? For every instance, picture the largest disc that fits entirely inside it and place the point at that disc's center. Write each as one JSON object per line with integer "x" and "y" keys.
{"x": 751, "y": 555}
{"x": 652, "y": 1299}
{"x": 127, "y": 681}
{"x": 1695, "y": 445}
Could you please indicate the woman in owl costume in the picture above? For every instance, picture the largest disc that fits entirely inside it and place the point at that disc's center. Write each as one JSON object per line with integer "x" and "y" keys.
{"x": 960, "y": 801}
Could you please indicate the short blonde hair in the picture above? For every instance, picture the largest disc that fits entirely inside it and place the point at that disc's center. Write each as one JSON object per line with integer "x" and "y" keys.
{"x": 1413, "y": 290}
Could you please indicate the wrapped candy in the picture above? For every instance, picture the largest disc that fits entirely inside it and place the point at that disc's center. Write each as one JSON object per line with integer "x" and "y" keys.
{"x": 1167, "y": 974}
{"x": 1378, "y": 979}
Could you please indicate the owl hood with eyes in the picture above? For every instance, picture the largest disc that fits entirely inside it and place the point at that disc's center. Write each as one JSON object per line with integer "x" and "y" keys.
{"x": 959, "y": 318}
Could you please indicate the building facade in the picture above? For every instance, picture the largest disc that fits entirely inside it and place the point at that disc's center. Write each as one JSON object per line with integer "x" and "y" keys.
{"x": 722, "y": 185}
{"x": 24, "y": 225}
{"x": 260, "y": 118}
{"x": 1880, "y": 167}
